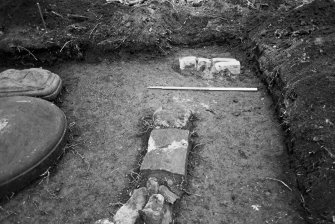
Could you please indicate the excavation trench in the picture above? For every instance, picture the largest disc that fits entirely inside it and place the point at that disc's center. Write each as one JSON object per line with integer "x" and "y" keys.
{"x": 237, "y": 173}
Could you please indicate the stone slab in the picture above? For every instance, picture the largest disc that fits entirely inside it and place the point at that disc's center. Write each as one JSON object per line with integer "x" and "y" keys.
{"x": 164, "y": 137}
{"x": 172, "y": 158}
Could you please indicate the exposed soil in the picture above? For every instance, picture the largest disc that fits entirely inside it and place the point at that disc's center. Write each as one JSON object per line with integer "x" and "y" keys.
{"x": 242, "y": 146}
{"x": 291, "y": 49}
{"x": 296, "y": 54}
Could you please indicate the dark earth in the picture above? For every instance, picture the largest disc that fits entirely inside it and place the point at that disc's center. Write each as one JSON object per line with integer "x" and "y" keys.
{"x": 107, "y": 54}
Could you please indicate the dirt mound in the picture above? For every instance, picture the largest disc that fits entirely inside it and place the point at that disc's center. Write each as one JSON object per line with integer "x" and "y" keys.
{"x": 295, "y": 51}
{"x": 72, "y": 27}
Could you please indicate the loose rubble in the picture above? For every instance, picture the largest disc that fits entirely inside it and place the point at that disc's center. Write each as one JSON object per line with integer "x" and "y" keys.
{"x": 128, "y": 213}
{"x": 168, "y": 195}
{"x": 153, "y": 211}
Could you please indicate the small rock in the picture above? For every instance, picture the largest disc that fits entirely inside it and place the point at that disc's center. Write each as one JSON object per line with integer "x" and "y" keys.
{"x": 168, "y": 195}
{"x": 104, "y": 221}
{"x": 319, "y": 41}
{"x": 169, "y": 182}
{"x": 153, "y": 211}
{"x": 128, "y": 213}
{"x": 167, "y": 217}
{"x": 152, "y": 186}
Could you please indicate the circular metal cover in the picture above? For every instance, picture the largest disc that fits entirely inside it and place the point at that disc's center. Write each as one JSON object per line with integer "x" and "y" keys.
{"x": 32, "y": 134}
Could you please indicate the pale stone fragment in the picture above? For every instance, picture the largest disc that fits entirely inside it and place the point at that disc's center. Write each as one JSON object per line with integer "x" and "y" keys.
{"x": 128, "y": 213}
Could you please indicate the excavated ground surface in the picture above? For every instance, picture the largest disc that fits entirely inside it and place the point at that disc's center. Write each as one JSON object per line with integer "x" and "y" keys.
{"x": 292, "y": 49}
{"x": 296, "y": 51}
{"x": 242, "y": 146}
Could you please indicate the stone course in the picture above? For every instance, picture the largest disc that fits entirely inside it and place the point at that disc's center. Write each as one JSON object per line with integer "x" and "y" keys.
{"x": 209, "y": 68}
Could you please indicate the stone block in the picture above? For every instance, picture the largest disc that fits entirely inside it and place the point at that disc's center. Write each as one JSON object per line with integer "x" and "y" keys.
{"x": 153, "y": 211}
{"x": 204, "y": 64}
{"x": 128, "y": 213}
{"x": 163, "y": 137}
{"x": 168, "y": 195}
{"x": 233, "y": 67}
{"x": 189, "y": 62}
{"x": 167, "y": 217}
{"x": 152, "y": 186}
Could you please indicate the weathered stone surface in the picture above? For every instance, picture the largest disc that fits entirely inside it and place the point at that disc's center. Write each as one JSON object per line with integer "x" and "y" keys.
{"x": 173, "y": 117}
{"x": 208, "y": 68}
{"x": 163, "y": 137}
{"x": 233, "y": 67}
{"x": 167, "y": 217}
{"x": 168, "y": 195}
{"x": 104, "y": 221}
{"x": 204, "y": 64}
{"x": 188, "y": 62}
{"x": 175, "y": 182}
{"x": 172, "y": 158}
{"x": 153, "y": 211}
{"x": 128, "y": 213}
{"x": 152, "y": 186}
{"x": 214, "y": 60}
